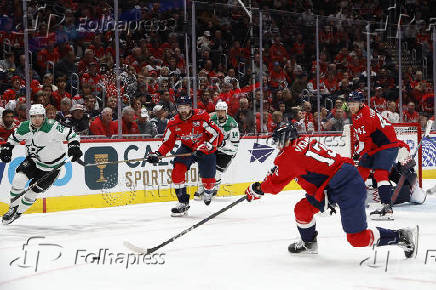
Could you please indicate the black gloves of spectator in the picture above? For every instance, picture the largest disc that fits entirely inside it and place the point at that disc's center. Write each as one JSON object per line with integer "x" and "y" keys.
{"x": 74, "y": 151}
{"x": 6, "y": 152}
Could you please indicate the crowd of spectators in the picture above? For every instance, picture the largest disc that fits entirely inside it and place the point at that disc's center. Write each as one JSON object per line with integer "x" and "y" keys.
{"x": 73, "y": 64}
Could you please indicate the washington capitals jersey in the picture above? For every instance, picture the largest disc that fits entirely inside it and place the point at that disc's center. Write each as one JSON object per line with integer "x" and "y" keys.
{"x": 373, "y": 132}
{"x": 307, "y": 161}
{"x": 193, "y": 132}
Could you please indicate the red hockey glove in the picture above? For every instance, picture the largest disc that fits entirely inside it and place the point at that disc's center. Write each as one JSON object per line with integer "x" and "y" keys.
{"x": 203, "y": 149}
{"x": 254, "y": 191}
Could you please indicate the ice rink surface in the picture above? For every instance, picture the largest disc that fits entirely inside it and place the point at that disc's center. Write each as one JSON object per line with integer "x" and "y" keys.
{"x": 244, "y": 248}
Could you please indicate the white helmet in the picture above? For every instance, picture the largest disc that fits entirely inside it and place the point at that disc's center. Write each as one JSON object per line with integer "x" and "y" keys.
{"x": 37, "y": 109}
{"x": 221, "y": 106}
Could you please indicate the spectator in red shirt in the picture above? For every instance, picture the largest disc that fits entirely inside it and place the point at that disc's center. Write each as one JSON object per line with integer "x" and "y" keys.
{"x": 7, "y": 124}
{"x": 128, "y": 123}
{"x": 14, "y": 92}
{"x": 277, "y": 51}
{"x": 378, "y": 102}
{"x": 103, "y": 125}
{"x": 410, "y": 115}
{"x": 277, "y": 76}
{"x": 61, "y": 93}
{"x": 206, "y": 102}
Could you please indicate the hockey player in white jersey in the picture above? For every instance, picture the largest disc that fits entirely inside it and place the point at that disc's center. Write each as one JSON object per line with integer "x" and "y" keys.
{"x": 45, "y": 154}
{"x": 228, "y": 149}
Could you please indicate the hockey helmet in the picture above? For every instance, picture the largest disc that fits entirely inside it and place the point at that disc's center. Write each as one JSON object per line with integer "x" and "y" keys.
{"x": 355, "y": 96}
{"x": 37, "y": 109}
{"x": 283, "y": 133}
{"x": 221, "y": 106}
{"x": 184, "y": 100}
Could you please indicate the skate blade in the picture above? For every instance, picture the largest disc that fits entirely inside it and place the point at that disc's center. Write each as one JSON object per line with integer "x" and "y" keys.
{"x": 305, "y": 253}
{"x": 176, "y": 214}
{"x": 387, "y": 217}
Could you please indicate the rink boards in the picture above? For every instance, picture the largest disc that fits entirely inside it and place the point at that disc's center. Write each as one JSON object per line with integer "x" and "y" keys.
{"x": 138, "y": 182}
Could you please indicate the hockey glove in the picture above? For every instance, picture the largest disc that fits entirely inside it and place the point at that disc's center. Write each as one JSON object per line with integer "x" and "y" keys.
{"x": 154, "y": 157}
{"x": 254, "y": 191}
{"x": 74, "y": 151}
{"x": 6, "y": 152}
{"x": 407, "y": 165}
{"x": 202, "y": 150}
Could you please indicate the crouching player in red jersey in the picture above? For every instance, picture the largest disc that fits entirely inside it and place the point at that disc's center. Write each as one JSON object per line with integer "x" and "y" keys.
{"x": 199, "y": 136}
{"x": 377, "y": 150}
{"x": 327, "y": 178}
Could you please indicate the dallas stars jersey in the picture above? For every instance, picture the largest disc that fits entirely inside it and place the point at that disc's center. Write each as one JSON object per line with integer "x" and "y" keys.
{"x": 45, "y": 146}
{"x": 230, "y": 130}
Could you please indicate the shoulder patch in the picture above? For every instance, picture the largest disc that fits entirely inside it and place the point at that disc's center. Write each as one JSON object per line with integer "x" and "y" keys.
{"x": 46, "y": 127}
{"x": 24, "y": 128}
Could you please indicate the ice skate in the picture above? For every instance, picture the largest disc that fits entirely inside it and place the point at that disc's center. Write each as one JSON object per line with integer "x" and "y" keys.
{"x": 207, "y": 197}
{"x": 198, "y": 196}
{"x": 302, "y": 247}
{"x": 409, "y": 241}
{"x": 180, "y": 209}
{"x": 11, "y": 215}
{"x": 384, "y": 212}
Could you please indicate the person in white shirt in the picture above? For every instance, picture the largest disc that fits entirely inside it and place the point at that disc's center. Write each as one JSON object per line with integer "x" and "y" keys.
{"x": 391, "y": 115}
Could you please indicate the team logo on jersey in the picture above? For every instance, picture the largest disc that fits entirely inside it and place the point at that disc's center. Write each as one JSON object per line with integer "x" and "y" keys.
{"x": 196, "y": 124}
{"x": 260, "y": 152}
{"x": 101, "y": 176}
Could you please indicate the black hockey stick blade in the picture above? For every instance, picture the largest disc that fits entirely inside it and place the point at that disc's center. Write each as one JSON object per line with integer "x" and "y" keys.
{"x": 154, "y": 249}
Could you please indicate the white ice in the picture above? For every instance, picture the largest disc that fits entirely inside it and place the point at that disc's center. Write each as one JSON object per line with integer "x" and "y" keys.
{"x": 244, "y": 248}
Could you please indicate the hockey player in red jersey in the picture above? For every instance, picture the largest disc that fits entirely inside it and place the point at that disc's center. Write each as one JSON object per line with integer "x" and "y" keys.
{"x": 199, "y": 136}
{"x": 376, "y": 149}
{"x": 328, "y": 179}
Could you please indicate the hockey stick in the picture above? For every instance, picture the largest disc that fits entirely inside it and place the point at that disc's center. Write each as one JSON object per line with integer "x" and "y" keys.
{"x": 45, "y": 176}
{"x": 403, "y": 176}
{"x": 131, "y": 160}
{"x": 154, "y": 249}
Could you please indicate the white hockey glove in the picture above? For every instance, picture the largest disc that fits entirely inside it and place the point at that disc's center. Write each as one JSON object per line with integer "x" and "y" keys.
{"x": 254, "y": 191}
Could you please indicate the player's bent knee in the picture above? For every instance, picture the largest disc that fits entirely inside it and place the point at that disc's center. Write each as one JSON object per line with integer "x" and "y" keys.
{"x": 361, "y": 239}
{"x": 304, "y": 211}
{"x": 381, "y": 175}
{"x": 178, "y": 174}
{"x": 20, "y": 180}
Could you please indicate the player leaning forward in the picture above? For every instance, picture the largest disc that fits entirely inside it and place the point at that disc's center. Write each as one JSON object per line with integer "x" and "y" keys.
{"x": 227, "y": 150}
{"x": 327, "y": 178}
{"x": 199, "y": 136}
{"x": 45, "y": 153}
{"x": 377, "y": 150}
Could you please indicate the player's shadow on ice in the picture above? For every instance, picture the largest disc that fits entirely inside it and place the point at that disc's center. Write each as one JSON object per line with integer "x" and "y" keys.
{"x": 31, "y": 229}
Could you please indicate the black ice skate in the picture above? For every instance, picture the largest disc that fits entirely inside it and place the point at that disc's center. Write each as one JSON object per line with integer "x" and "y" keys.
{"x": 180, "y": 209}
{"x": 385, "y": 212}
{"x": 409, "y": 241}
{"x": 302, "y": 247}
{"x": 207, "y": 196}
{"x": 11, "y": 215}
{"x": 198, "y": 195}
